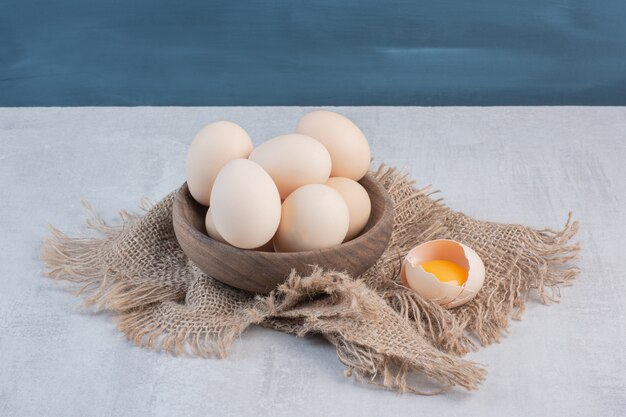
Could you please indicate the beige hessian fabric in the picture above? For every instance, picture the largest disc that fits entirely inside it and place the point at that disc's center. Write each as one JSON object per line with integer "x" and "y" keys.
{"x": 384, "y": 333}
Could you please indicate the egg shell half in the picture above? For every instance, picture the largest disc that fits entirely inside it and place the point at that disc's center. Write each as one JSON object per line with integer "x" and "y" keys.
{"x": 346, "y": 143}
{"x": 428, "y": 286}
{"x": 292, "y": 161}
{"x": 213, "y": 147}
{"x": 245, "y": 204}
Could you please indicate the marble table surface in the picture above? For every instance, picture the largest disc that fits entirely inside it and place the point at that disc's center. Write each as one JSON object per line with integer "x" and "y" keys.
{"x": 527, "y": 164}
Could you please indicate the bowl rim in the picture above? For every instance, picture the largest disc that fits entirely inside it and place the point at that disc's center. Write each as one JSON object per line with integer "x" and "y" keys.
{"x": 206, "y": 239}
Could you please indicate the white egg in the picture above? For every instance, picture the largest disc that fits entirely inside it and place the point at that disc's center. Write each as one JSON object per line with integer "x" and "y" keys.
{"x": 245, "y": 204}
{"x": 346, "y": 143}
{"x": 213, "y": 147}
{"x": 210, "y": 227}
{"x": 313, "y": 217}
{"x": 427, "y": 285}
{"x": 292, "y": 161}
{"x": 357, "y": 200}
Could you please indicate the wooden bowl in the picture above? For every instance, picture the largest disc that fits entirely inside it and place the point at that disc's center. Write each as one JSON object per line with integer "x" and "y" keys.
{"x": 260, "y": 272}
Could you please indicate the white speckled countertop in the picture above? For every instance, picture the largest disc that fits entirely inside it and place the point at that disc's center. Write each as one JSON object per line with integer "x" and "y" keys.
{"x": 526, "y": 164}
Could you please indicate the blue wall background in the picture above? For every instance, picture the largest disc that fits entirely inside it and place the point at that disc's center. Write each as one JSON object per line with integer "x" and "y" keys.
{"x": 306, "y": 52}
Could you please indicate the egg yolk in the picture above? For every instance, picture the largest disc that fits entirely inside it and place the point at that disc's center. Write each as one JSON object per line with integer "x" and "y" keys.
{"x": 446, "y": 271}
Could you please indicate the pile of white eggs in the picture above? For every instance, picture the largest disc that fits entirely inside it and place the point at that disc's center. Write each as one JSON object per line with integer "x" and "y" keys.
{"x": 294, "y": 192}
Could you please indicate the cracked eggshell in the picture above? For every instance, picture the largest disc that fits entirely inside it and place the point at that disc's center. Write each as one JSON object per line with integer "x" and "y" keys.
{"x": 428, "y": 286}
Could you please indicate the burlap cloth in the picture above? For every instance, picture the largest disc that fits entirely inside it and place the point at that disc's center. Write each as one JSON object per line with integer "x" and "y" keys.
{"x": 384, "y": 333}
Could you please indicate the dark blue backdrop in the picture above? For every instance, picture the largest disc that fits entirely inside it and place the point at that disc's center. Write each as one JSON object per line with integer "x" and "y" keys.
{"x": 306, "y": 52}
